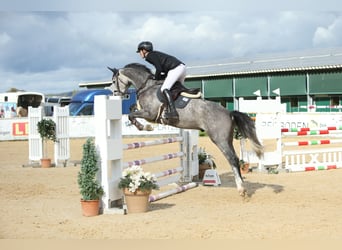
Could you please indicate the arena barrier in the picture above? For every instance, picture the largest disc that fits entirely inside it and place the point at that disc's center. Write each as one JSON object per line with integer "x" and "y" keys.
{"x": 286, "y": 130}
{"x": 108, "y": 139}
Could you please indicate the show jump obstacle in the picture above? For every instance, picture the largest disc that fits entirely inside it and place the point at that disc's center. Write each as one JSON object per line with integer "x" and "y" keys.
{"x": 108, "y": 138}
{"x": 325, "y": 153}
{"x": 296, "y": 148}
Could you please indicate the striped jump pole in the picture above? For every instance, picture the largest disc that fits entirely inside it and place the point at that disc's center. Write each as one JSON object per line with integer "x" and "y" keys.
{"x": 305, "y": 168}
{"x": 308, "y": 131}
{"x": 172, "y": 191}
{"x": 166, "y": 173}
{"x": 153, "y": 159}
{"x": 312, "y": 142}
{"x": 152, "y": 143}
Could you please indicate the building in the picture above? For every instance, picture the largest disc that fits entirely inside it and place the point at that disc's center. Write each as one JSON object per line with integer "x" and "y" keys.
{"x": 307, "y": 81}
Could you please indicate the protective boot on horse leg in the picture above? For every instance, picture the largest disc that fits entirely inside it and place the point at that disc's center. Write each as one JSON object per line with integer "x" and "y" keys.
{"x": 171, "y": 114}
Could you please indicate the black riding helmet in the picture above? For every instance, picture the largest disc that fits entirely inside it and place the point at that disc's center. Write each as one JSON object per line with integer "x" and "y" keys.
{"x": 148, "y": 46}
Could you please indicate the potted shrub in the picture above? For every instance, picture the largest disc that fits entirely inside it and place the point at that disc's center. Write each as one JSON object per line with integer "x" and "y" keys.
{"x": 137, "y": 185}
{"x": 205, "y": 161}
{"x": 244, "y": 166}
{"x": 47, "y": 131}
{"x": 90, "y": 189}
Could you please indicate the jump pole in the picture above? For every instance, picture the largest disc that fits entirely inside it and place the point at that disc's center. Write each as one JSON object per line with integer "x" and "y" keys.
{"x": 312, "y": 142}
{"x": 330, "y": 128}
{"x": 172, "y": 191}
{"x": 311, "y": 132}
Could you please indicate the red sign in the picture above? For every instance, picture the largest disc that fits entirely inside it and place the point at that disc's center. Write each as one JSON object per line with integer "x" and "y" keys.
{"x": 20, "y": 129}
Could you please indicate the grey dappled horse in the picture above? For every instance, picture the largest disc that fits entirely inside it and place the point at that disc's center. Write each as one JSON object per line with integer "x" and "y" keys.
{"x": 199, "y": 114}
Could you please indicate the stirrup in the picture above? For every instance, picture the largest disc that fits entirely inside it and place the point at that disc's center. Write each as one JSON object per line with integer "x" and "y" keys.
{"x": 172, "y": 115}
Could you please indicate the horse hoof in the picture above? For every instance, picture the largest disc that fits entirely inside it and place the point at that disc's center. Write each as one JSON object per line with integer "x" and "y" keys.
{"x": 243, "y": 192}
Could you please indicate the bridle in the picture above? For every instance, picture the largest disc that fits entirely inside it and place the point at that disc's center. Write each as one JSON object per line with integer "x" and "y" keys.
{"x": 138, "y": 90}
{"x": 116, "y": 79}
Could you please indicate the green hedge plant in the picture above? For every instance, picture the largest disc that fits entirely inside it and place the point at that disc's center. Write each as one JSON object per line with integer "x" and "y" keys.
{"x": 90, "y": 189}
{"x": 47, "y": 131}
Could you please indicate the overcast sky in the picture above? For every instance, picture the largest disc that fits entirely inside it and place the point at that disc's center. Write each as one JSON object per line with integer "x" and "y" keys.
{"x": 53, "y": 51}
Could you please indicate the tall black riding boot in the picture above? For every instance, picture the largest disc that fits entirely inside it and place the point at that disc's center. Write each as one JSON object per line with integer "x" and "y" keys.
{"x": 172, "y": 114}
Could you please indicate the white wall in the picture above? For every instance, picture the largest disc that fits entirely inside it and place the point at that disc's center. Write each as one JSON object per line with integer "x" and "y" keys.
{"x": 80, "y": 126}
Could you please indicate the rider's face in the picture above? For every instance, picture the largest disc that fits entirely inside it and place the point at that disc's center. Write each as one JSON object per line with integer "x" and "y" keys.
{"x": 143, "y": 53}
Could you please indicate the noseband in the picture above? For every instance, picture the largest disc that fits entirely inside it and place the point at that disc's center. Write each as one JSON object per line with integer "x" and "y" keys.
{"x": 116, "y": 77}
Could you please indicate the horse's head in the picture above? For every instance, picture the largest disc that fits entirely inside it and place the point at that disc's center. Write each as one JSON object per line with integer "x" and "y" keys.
{"x": 132, "y": 74}
{"x": 120, "y": 82}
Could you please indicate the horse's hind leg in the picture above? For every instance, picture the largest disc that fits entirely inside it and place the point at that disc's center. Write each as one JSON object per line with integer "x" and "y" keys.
{"x": 228, "y": 151}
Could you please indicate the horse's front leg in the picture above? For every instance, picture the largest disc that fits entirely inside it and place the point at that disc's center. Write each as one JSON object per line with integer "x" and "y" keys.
{"x": 140, "y": 114}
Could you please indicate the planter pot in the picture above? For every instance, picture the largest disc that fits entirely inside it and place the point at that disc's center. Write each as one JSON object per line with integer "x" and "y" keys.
{"x": 45, "y": 162}
{"x": 201, "y": 170}
{"x": 137, "y": 202}
{"x": 90, "y": 207}
{"x": 245, "y": 168}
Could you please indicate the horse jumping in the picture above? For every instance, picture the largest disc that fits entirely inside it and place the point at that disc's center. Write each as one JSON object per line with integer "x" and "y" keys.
{"x": 208, "y": 116}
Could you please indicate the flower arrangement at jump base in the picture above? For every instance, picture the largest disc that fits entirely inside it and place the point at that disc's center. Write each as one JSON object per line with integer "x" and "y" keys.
{"x": 205, "y": 162}
{"x": 137, "y": 185}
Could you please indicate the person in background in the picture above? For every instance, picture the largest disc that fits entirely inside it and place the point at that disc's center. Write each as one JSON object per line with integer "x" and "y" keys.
{"x": 168, "y": 68}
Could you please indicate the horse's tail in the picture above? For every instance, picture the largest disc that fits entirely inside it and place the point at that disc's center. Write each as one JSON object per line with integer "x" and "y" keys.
{"x": 246, "y": 127}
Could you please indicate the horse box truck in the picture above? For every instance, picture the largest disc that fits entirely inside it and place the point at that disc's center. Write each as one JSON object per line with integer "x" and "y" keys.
{"x": 82, "y": 103}
{"x": 13, "y": 104}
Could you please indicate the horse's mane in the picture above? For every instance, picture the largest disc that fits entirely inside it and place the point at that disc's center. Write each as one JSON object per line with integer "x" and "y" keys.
{"x": 139, "y": 66}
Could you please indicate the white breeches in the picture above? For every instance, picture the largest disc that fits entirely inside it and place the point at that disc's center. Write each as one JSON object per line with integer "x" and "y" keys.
{"x": 174, "y": 75}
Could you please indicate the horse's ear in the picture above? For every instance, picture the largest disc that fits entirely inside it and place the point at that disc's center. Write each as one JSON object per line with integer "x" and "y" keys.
{"x": 114, "y": 70}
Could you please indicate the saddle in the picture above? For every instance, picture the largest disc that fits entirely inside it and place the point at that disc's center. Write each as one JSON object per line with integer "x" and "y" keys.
{"x": 180, "y": 94}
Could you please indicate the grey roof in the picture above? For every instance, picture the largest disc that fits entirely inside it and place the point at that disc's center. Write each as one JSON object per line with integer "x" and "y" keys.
{"x": 315, "y": 59}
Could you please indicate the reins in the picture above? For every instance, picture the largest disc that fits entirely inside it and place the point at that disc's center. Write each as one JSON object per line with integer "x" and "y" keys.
{"x": 139, "y": 90}
{"x": 117, "y": 84}
{"x": 143, "y": 87}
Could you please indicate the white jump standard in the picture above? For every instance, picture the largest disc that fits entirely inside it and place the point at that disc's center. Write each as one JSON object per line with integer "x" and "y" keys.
{"x": 108, "y": 139}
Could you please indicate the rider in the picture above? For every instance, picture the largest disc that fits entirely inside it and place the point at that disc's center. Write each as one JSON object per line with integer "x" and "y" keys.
{"x": 167, "y": 67}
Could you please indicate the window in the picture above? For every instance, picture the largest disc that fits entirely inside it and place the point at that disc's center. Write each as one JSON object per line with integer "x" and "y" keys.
{"x": 294, "y": 102}
{"x": 335, "y": 101}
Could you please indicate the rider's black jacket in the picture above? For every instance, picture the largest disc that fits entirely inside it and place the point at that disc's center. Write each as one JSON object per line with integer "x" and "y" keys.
{"x": 162, "y": 62}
